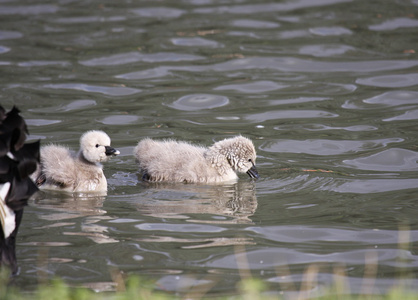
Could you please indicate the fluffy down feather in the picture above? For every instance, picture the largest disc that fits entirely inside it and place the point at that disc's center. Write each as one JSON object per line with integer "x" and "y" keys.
{"x": 65, "y": 170}
{"x": 174, "y": 161}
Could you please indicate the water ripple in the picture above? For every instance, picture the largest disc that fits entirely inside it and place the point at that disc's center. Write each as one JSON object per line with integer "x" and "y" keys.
{"x": 401, "y": 99}
{"x": 395, "y": 24}
{"x": 70, "y": 107}
{"x": 184, "y": 283}
{"x": 131, "y": 57}
{"x": 330, "y": 31}
{"x": 7, "y": 35}
{"x": 274, "y": 257}
{"x": 326, "y": 50}
{"x": 247, "y": 23}
{"x": 391, "y": 81}
{"x": 296, "y": 100}
{"x": 289, "y": 114}
{"x": 321, "y": 127}
{"x": 326, "y": 147}
{"x": 408, "y": 115}
{"x": 199, "y": 101}
{"x": 28, "y": 9}
{"x": 305, "y": 234}
{"x": 195, "y": 42}
{"x": 89, "y": 19}
{"x": 110, "y": 91}
{"x": 179, "y": 227}
{"x": 42, "y": 63}
{"x": 119, "y": 120}
{"x": 268, "y": 7}
{"x": 367, "y": 186}
{"x": 253, "y": 87}
{"x": 4, "y": 49}
{"x": 283, "y": 64}
{"x": 41, "y": 122}
{"x": 158, "y": 12}
{"x": 394, "y": 98}
{"x": 394, "y": 159}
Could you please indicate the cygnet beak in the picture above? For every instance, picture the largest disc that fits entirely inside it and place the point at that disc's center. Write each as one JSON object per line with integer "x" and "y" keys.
{"x": 253, "y": 173}
{"x": 111, "y": 151}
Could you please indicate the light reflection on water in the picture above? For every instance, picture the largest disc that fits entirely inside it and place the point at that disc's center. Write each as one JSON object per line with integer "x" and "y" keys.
{"x": 325, "y": 89}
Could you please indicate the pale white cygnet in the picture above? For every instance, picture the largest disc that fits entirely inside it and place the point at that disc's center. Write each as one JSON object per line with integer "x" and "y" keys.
{"x": 62, "y": 169}
{"x": 174, "y": 161}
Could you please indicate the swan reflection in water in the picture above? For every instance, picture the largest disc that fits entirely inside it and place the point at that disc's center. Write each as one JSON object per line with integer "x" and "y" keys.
{"x": 203, "y": 204}
{"x": 214, "y": 205}
{"x": 66, "y": 207}
{"x": 226, "y": 204}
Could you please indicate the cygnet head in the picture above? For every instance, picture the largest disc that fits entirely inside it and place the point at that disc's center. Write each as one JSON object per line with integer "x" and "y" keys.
{"x": 95, "y": 146}
{"x": 240, "y": 154}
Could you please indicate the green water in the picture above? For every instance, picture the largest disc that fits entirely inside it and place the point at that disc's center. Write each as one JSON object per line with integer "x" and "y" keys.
{"x": 326, "y": 89}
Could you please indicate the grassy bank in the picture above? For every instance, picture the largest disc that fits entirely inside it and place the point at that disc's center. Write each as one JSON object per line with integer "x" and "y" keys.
{"x": 136, "y": 289}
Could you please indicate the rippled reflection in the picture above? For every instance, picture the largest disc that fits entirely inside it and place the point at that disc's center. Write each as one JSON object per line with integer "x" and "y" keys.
{"x": 209, "y": 205}
{"x": 64, "y": 210}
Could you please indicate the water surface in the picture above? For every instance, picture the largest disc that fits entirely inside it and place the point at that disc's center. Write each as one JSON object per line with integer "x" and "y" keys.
{"x": 326, "y": 89}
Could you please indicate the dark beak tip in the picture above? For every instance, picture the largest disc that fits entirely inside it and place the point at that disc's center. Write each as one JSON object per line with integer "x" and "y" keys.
{"x": 255, "y": 176}
{"x": 111, "y": 151}
{"x": 253, "y": 173}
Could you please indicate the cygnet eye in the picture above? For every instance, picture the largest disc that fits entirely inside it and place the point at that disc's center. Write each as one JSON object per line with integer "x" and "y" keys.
{"x": 97, "y": 145}
{"x": 250, "y": 160}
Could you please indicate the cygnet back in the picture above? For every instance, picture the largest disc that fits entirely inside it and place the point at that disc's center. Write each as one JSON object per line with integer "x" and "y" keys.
{"x": 174, "y": 161}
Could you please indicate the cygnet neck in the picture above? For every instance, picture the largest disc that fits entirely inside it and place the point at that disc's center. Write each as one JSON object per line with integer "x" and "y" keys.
{"x": 85, "y": 160}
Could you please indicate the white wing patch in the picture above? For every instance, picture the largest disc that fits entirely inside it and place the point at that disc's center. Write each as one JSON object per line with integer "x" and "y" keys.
{"x": 7, "y": 216}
